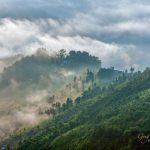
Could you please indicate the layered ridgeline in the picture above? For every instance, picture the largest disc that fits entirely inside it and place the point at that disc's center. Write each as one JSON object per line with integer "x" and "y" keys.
{"x": 113, "y": 117}
{"x": 31, "y": 84}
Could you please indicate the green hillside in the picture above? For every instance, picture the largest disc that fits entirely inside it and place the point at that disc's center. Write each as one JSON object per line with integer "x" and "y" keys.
{"x": 115, "y": 117}
{"x": 32, "y": 84}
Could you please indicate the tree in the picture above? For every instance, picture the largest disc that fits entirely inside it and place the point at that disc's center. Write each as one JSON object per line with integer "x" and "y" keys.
{"x": 82, "y": 58}
{"x": 77, "y": 100}
{"x": 132, "y": 70}
{"x": 50, "y": 111}
{"x": 69, "y": 103}
{"x": 75, "y": 79}
{"x": 90, "y": 76}
{"x": 58, "y": 106}
{"x": 63, "y": 106}
{"x": 61, "y": 55}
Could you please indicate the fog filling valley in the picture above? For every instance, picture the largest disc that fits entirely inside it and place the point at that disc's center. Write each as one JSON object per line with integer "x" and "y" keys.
{"x": 22, "y": 105}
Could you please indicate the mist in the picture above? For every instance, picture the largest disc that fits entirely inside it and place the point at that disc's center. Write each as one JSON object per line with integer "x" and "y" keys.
{"x": 23, "y": 105}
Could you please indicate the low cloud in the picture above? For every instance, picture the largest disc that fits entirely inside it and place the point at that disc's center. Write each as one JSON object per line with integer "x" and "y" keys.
{"x": 24, "y": 36}
{"x": 113, "y": 30}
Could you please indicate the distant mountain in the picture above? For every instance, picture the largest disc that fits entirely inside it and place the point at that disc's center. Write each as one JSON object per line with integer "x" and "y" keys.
{"x": 114, "y": 117}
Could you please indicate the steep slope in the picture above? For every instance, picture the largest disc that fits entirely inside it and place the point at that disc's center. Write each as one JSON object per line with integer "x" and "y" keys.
{"x": 116, "y": 118}
{"x": 33, "y": 83}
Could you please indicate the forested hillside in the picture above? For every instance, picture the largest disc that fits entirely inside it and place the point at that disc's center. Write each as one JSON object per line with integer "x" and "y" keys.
{"x": 32, "y": 84}
{"x": 113, "y": 117}
{"x": 74, "y": 75}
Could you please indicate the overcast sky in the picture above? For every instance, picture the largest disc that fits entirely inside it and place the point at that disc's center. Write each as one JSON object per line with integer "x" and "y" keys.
{"x": 118, "y": 31}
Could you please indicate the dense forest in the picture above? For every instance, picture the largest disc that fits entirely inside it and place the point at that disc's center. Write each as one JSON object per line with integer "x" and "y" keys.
{"x": 115, "y": 116}
{"x": 31, "y": 68}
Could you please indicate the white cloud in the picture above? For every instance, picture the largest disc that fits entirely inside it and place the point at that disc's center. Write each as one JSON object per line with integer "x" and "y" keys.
{"x": 105, "y": 28}
{"x": 14, "y": 33}
{"x": 19, "y": 36}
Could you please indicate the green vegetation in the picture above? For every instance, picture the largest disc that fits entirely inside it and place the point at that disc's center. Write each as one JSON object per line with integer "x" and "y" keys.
{"x": 31, "y": 68}
{"x": 115, "y": 117}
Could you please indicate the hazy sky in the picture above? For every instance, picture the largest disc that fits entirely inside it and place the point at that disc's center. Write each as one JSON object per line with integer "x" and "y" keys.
{"x": 118, "y": 31}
